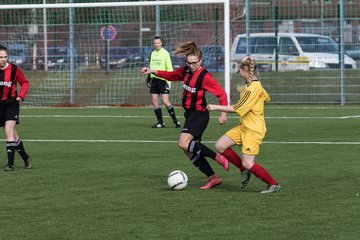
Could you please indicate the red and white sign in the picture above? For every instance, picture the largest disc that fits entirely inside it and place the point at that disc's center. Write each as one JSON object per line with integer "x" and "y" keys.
{"x": 108, "y": 32}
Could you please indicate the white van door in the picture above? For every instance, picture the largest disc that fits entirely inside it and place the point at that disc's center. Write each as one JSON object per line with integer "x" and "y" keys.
{"x": 289, "y": 56}
{"x": 263, "y": 50}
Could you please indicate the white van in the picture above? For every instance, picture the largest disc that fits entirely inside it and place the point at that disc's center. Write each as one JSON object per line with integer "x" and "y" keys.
{"x": 296, "y": 51}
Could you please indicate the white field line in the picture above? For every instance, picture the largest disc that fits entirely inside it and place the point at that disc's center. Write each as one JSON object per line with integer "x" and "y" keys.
{"x": 137, "y": 116}
{"x": 167, "y": 141}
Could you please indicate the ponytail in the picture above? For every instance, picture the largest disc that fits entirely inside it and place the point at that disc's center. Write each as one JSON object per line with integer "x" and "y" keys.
{"x": 189, "y": 48}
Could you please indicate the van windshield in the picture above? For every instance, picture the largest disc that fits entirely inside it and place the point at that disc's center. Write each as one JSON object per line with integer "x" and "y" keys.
{"x": 317, "y": 44}
{"x": 257, "y": 45}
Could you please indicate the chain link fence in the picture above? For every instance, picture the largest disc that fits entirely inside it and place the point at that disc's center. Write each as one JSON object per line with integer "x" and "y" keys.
{"x": 308, "y": 51}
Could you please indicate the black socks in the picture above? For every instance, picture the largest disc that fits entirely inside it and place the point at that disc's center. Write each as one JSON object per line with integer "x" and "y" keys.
{"x": 202, "y": 164}
{"x": 158, "y": 114}
{"x": 10, "y": 150}
{"x": 201, "y": 149}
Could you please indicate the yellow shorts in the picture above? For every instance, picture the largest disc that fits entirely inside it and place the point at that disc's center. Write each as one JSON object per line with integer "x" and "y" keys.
{"x": 248, "y": 139}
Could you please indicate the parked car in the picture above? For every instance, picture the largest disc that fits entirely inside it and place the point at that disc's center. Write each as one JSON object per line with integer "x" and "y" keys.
{"x": 117, "y": 57}
{"x": 139, "y": 56}
{"x": 18, "y": 55}
{"x": 296, "y": 51}
{"x": 353, "y": 51}
{"x": 58, "y": 58}
{"x": 213, "y": 57}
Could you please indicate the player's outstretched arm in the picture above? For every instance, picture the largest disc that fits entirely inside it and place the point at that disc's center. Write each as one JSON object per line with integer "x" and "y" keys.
{"x": 146, "y": 70}
{"x": 221, "y": 108}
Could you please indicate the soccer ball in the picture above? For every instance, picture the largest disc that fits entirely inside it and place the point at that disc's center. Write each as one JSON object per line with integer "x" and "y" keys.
{"x": 177, "y": 180}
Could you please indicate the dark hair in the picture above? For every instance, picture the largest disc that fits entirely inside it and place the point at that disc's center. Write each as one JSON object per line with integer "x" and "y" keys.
{"x": 3, "y": 48}
{"x": 161, "y": 39}
{"x": 189, "y": 48}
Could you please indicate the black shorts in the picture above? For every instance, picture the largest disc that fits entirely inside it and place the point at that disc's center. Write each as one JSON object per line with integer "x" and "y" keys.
{"x": 196, "y": 123}
{"x": 159, "y": 86}
{"x": 9, "y": 110}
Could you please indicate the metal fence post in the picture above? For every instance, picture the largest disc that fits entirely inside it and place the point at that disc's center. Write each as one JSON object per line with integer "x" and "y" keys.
{"x": 342, "y": 52}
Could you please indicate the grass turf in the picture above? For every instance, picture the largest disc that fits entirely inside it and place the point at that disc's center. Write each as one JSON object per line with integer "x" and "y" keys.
{"x": 83, "y": 188}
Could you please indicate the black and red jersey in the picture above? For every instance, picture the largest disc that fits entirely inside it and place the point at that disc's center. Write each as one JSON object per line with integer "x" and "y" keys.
{"x": 195, "y": 85}
{"x": 9, "y": 77}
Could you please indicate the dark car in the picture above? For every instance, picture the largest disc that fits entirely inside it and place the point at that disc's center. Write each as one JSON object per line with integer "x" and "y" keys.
{"x": 58, "y": 58}
{"x": 353, "y": 51}
{"x": 118, "y": 56}
{"x": 139, "y": 56}
{"x": 213, "y": 57}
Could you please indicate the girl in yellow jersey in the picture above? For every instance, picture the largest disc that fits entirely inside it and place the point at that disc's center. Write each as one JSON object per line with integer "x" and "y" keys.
{"x": 251, "y": 130}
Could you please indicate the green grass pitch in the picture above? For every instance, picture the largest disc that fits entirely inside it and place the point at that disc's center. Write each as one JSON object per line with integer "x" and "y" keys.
{"x": 100, "y": 173}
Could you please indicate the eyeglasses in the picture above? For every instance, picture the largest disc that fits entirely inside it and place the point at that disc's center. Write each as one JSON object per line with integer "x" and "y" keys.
{"x": 192, "y": 63}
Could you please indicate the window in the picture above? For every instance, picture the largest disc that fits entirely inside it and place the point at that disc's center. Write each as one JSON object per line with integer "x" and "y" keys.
{"x": 258, "y": 45}
{"x": 241, "y": 47}
{"x": 317, "y": 44}
{"x": 265, "y": 45}
{"x": 287, "y": 46}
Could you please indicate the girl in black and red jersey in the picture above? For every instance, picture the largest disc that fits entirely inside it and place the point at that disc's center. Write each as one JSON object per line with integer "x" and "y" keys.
{"x": 196, "y": 81}
{"x": 10, "y": 102}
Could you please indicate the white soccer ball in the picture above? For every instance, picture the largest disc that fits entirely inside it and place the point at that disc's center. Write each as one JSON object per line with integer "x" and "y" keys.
{"x": 177, "y": 180}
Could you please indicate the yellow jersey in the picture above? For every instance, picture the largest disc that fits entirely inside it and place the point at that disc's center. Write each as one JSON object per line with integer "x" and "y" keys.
{"x": 250, "y": 107}
{"x": 160, "y": 60}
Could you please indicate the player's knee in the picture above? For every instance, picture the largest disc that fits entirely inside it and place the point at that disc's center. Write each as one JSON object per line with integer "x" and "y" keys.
{"x": 219, "y": 147}
{"x": 166, "y": 102}
{"x": 247, "y": 163}
{"x": 9, "y": 134}
{"x": 155, "y": 103}
{"x": 183, "y": 145}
